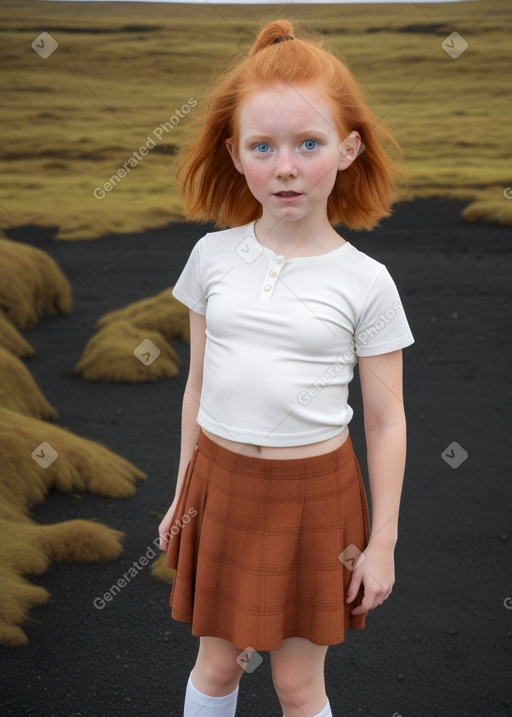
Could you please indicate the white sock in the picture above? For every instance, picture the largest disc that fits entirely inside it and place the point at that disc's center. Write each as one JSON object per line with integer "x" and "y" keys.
{"x": 326, "y": 712}
{"x": 199, "y": 705}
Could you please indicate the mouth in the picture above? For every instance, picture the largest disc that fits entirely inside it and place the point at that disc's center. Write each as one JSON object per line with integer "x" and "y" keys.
{"x": 287, "y": 196}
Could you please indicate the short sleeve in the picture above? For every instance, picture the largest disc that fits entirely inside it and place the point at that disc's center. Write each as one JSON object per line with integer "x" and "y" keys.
{"x": 189, "y": 287}
{"x": 382, "y": 326}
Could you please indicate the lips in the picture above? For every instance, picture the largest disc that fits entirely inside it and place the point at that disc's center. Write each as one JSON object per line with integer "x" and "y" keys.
{"x": 287, "y": 197}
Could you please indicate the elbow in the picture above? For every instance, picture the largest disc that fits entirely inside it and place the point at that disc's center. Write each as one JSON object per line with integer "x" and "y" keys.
{"x": 385, "y": 421}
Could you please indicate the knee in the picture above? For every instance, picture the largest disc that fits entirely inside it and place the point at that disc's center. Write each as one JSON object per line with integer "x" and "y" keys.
{"x": 292, "y": 689}
{"x": 219, "y": 671}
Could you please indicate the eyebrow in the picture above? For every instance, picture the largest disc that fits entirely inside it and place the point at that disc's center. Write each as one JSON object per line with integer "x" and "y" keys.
{"x": 305, "y": 133}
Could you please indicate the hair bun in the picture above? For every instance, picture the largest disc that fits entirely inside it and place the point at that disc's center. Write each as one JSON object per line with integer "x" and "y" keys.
{"x": 283, "y": 37}
{"x": 273, "y": 33}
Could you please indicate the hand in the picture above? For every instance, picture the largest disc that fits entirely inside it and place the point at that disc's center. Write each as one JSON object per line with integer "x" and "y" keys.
{"x": 377, "y": 574}
{"x": 164, "y": 529}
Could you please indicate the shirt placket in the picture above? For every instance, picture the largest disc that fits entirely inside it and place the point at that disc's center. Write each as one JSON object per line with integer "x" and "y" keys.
{"x": 274, "y": 268}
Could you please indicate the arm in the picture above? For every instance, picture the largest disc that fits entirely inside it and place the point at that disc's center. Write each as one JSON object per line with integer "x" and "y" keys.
{"x": 189, "y": 427}
{"x": 385, "y": 430}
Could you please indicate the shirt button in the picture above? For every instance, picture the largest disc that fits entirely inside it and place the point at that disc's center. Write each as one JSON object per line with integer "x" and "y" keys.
{"x": 279, "y": 259}
{"x": 267, "y": 287}
{"x": 271, "y": 274}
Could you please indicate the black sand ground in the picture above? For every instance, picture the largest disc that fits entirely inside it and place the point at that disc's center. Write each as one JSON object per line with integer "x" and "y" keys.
{"x": 441, "y": 644}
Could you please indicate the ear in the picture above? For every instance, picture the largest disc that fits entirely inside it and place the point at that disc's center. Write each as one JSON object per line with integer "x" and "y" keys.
{"x": 233, "y": 151}
{"x": 349, "y": 149}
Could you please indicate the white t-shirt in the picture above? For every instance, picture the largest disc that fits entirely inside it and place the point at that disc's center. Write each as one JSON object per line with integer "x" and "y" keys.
{"x": 283, "y": 335}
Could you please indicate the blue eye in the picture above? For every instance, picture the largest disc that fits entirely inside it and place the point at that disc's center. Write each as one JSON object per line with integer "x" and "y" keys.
{"x": 263, "y": 147}
{"x": 310, "y": 144}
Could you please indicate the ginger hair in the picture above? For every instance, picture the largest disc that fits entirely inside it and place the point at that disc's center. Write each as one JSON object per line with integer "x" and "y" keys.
{"x": 212, "y": 188}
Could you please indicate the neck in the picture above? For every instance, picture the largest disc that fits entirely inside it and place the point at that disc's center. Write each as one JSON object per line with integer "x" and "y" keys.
{"x": 306, "y": 233}
{"x": 302, "y": 232}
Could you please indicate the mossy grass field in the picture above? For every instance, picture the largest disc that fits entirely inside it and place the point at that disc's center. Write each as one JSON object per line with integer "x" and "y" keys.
{"x": 126, "y": 76}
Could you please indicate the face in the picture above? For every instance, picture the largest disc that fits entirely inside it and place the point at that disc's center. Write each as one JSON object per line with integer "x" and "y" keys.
{"x": 289, "y": 151}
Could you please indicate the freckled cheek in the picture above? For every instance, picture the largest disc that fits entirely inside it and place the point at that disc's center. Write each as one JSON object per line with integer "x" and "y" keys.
{"x": 256, "y": 174}
{"x": 323, "y": 175}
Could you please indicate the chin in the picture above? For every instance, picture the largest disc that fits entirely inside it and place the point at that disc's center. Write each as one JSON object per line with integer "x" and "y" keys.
{"x": 293, "y": 215}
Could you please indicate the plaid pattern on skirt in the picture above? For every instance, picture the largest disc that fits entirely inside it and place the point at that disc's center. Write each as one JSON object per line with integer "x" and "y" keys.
{"x": 258, "y": 546}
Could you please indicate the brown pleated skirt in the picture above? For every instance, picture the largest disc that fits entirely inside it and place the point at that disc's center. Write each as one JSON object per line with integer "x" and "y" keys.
{"x": 264, "y": 548}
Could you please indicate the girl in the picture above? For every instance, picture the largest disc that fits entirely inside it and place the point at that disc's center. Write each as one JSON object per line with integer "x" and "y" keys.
{"x": 269, "y": 529}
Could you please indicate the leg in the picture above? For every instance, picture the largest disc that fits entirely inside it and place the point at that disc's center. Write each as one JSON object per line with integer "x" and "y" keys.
{"x": 216, "y": 671}
{"x": 298, "y": 676}
{"x": 212, "y": 688}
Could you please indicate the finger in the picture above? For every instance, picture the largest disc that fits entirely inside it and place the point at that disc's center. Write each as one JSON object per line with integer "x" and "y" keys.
{"x": 369, "y": 602}
{"x": 362, "y": 609}
{"x": 359, "y": 610}
{"x": 354, "y": 586}
{"x": 366, "y": 605}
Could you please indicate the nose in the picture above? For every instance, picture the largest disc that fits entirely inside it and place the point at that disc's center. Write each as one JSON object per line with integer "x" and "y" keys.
{"x": 285, "y": 165}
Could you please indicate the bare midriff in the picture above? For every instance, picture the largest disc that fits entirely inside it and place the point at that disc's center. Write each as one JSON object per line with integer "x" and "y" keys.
{"x": 281, "y": 452}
